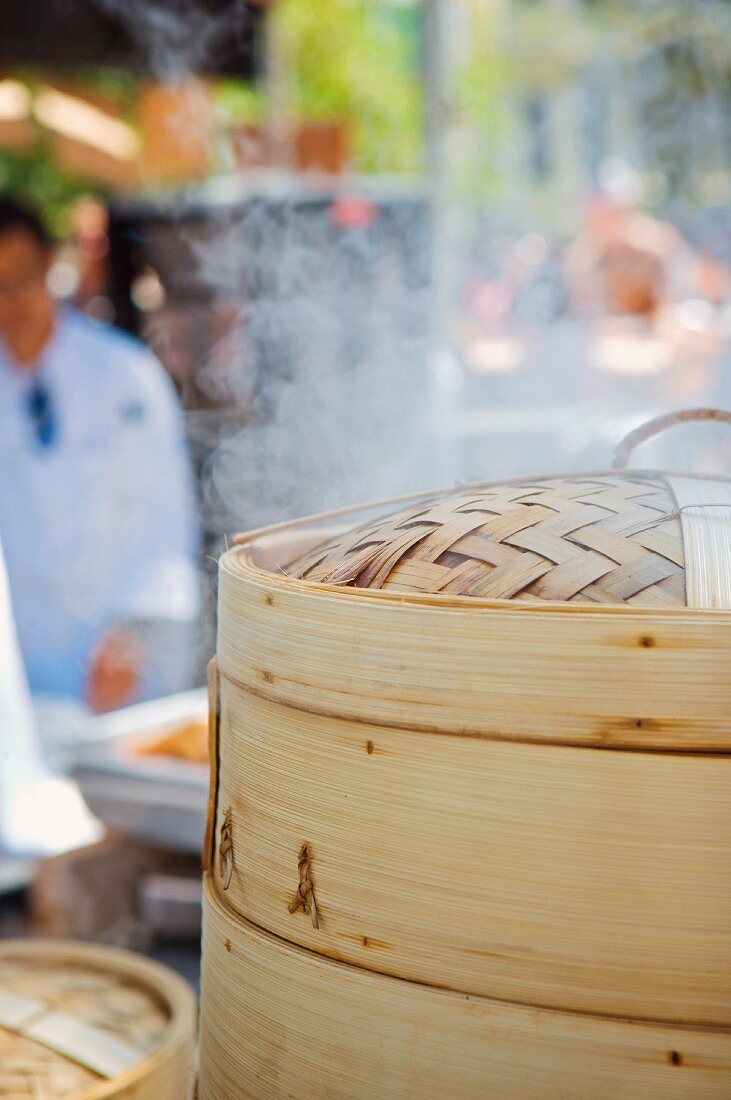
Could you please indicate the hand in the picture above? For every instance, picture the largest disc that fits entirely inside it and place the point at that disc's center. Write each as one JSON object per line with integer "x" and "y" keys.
{"x": 115, "y": 671}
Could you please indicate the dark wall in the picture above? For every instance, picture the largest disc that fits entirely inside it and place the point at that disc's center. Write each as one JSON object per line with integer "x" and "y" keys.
{"x": 166, "y": 38}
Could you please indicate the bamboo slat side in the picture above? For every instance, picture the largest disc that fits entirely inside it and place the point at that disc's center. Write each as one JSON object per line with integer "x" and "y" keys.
{"x": 127, "y": 1023}
{"x": 707, "y": 539}
{"x": 564, "y": 673}
{"x": 213, "y": 720}
{"x": 612, "y": 538}
{"x": 591, "y": 881}
{"x": 278, "y": 1022}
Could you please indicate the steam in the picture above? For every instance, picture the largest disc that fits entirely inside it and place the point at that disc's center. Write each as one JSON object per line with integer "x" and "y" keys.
{"x": 326, "y": 375}
{"x": 328, "y": 382}
{"x": 178, "y": 37}
{"x": 328, "y": 362}
{"x": 328, "y": 388}
{"x": 322, "y": 377}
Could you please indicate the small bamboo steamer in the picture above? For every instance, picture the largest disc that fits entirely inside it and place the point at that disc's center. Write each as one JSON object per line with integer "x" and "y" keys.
{"x": 596, "y": 881}
{"x": 279, "y": 1021}
{"x": 84, "y": 1022}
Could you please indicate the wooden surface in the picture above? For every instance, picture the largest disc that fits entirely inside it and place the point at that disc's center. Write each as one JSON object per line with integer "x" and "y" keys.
{"x": 91, "y": 1023}
{"x": 280, "y": 1022}
{"x": 562, "y": 673}
{"x": 589, "y": 880}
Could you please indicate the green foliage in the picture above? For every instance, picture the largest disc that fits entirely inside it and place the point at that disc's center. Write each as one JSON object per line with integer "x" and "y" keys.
{"x": 35, "y": 178}
{"x": 354, "y": 60}
{"x": 115, "y": 85}
{"x": 239, "y": 103}
{"x": 479, "y": 95}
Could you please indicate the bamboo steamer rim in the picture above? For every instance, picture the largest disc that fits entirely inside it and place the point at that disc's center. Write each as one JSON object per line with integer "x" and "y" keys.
{"x": 332, "y": 1029}
{"x": 163, "y": 986}
{"x": 245, "y": 560}
{"x": 217, "y": 908}
{"x": 550, "y": 816}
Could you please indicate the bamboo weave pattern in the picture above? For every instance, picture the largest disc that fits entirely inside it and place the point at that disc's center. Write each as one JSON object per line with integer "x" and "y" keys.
{"x": 613, "y": 538}
{"x": 106, "y": 1005}
{"x": 30, "y": 1070}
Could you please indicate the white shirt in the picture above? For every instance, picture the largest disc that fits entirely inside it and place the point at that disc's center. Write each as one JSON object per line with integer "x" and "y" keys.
{"x": 39, "y": 813}
{"x": 99, "y": 527}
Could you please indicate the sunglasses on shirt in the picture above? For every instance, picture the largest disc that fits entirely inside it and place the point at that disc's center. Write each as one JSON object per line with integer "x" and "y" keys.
{"x": 42, "y": 413}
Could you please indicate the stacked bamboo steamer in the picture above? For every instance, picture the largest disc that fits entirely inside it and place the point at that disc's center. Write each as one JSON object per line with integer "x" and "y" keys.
{"x": 470, "y": 821}
{"x": 82, "y": 1022}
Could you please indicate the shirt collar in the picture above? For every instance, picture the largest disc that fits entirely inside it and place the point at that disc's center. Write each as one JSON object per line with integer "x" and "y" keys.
{"x": 22, "y": 378}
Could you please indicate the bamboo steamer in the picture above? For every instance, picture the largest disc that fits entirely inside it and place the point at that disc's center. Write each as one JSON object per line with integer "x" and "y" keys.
{"x": 609, "y": 586}
{"x": 596, "y": 881}
{"x": 91, "y": 1023}
{"x": 479, "y": 745}
{"x": 280, "y": 1021}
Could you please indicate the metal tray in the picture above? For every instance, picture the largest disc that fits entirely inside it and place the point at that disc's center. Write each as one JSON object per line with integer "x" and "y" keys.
{"x": 156, "y": 799}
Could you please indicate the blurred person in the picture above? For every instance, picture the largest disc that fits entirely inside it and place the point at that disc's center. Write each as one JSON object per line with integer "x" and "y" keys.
{"x": 89, "y": 251}
{"x": 618, "y": 263}
{"x": 40, "y": 814}
{"x": 97, "y": 511}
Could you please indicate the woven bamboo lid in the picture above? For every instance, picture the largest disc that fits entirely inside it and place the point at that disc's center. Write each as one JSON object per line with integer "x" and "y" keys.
{"x": 617, "y": 537}
{"x": 85, "y": 1022}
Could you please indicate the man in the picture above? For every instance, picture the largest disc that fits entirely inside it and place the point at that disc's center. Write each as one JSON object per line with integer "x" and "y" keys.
{"x": 97, "y": 513}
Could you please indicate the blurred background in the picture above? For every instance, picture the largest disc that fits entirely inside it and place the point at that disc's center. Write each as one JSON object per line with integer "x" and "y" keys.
{"x": 377, "y": 246}
{"x": 510, "y": 216}
{"x": 503, "y": 222}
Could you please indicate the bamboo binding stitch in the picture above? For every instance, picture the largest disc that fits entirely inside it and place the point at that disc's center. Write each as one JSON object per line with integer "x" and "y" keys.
{"x": 226, "y": 850}
{"x": 304, "y": 899}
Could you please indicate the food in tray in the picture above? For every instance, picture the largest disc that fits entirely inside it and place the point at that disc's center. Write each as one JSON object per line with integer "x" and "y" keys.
{"x": 187, "y": 742}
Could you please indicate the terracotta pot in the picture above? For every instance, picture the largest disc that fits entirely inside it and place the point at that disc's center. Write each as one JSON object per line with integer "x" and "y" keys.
{"x": 321, "y": 147}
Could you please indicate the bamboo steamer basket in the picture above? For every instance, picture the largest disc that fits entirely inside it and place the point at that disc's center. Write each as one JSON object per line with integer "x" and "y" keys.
{"x": 516, "y": 799}
{"x": 595, "y": 881}
{"x": 612, "y": 590}
{"x": 279, "y": 1021}
{"x": 469, "y": 825}
{"x": 91, "y": 1023}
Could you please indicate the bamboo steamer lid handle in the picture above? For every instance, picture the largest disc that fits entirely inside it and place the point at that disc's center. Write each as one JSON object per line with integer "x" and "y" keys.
{"x": 704, "y": 507}
{"x": 659, "y": 424}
